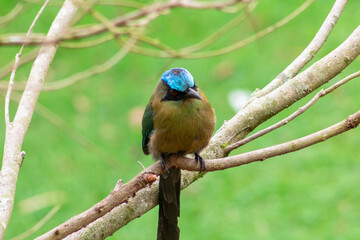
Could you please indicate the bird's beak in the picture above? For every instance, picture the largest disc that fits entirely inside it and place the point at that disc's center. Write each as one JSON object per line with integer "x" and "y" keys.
{"x": 191, "y": 93}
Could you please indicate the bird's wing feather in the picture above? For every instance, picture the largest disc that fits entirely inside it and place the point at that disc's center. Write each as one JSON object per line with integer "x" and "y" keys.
{"x": 147, "y": 127}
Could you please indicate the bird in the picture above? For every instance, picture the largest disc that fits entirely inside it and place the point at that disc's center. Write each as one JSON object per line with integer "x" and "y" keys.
{"x": 178, "y": 120}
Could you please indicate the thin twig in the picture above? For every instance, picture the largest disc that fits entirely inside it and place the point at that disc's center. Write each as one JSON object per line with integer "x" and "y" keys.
{"x": 16, "y": 64}
{"x": 59, "y": 84}
{"x": 39, "y": 224}
{"x": 108, "y": 64}
{"x": 83, "y": 32}
{"x": 309, "y": 52}
{"x": 97, "y": 69}
{"x": 11, "y": 15}
{"x": 172, "y": 53}
{"x": 87, "y": 44}
{"x": 110, "y": 26}
{"x": 163, "y": 68}
{"x": 27, "y": 57}
{"x": 252, "y": 38}
{"x": 122, "y": 3}
{"x": 82, "y": 75}
{"x": 218, "y": 33}
{"x": 63, "y": 125}
{"x": 297, "y": 113}
{"x": 184, "y": 53}
{"x": 85, "y": 6}
{"x": 141, "y": 165}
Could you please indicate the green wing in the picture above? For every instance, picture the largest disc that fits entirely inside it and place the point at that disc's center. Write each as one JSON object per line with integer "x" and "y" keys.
{"x": 147, "y": 128}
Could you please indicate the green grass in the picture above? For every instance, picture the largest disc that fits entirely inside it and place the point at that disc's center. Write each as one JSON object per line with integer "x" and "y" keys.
{"x": 310, "y": 194}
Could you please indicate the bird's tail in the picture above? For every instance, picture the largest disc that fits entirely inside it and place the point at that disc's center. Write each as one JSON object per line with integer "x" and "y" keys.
{"x": 169, "y": 205}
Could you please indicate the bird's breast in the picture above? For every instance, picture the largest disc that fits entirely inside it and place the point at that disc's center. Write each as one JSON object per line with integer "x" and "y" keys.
{"x": 184, "y": 127}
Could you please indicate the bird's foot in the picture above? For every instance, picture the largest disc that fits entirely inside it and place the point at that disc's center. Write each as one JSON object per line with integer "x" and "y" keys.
{"x": 200, "y": 160}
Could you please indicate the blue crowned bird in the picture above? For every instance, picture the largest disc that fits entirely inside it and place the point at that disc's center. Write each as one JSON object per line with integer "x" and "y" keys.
{"x": 178, "y": 120}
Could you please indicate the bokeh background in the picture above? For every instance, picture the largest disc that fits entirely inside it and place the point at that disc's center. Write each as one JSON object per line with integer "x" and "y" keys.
{"x": 85, "y": 137}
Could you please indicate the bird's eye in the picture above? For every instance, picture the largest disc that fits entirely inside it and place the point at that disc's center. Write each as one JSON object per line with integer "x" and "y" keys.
{"x": 173, "y": 92}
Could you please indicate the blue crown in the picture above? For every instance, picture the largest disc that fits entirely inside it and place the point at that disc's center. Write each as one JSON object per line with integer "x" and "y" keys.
{"x": 178, "y": 79}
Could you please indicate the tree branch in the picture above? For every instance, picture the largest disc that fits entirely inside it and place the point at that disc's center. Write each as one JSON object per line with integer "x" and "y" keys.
{"x": 188, "y": 52}
{"x": 63, "y": 125}
{"x": 16, "y": 64}
{"x": 189, "y": 164}
{"x": 297, "y": 113}
{"x": 38, "y": 225}
{"x": 120, "y": 195}
{"x": 97, "y": 69}
{"x": 218, "y": 33}
{"x": 123, "y": 3}
{"x": 83, "y": 32}
{"x": 252, "y": 38}
{"x": 240, "y": 125}
{"x": 112, "y": 221}
{"x": 309, "y": 52}
{"x": 263, "y": 108}
{"x": 27, "y": 57}
{"x": 4, "y": 20}
{"x": 15, "y": 133}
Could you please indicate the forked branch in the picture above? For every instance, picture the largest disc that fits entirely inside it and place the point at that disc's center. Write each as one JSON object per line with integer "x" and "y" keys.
{"x": 241, "y": 124}
{"x": 122, "y": 194}
{"x": 15, "y": 131}
{"x": 309, "y": 52}
{"x": 297, "y": 113}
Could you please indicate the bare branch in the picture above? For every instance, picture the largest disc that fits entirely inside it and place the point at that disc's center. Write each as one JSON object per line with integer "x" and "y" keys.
{"x": 309, "y": 52}
{"x": 241, "y": 124}
{"x": 120, "y": 215}
{"x": 39, "y": 224}
{"x": 8, "y": 67}
{"x": 261, "y": 109}
{"x": 120, "y": 195}
{"x": 217, "y": 34}
{"x": 169, "y": 52}
{"x": 16, "y": 64}
{"x": 83, "y": 141}
{"x": 112, "y": 221}
{"x": 110, "y": 26}
{"x": 85, "y": 6}
{"x": 187, "y": 52}
{"x": 97, "y": 69}
{"x": 11, "y": 15}
{"x": 12, "y": 157}
{"x": 62, "y": 124}
{"x": 20, "y": 39}
{"x": 123, "y": 3}
{"x": 86, "y": 44}
{"x": 297, "y": 113}
{"x": 120, "y": 21}
{"x": 252, "y": 38}
{"x": 259, "y": 155}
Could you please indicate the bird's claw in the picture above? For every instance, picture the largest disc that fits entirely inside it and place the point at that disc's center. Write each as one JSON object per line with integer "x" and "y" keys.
{"x": 200, "y": 160}
{"x": 163, "y": 164}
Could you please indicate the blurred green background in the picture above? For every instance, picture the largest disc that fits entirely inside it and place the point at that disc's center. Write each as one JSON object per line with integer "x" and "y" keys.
{"x": 91, "y": 138}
